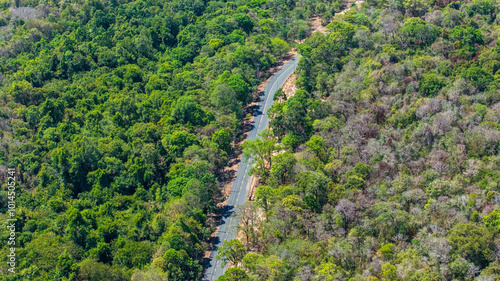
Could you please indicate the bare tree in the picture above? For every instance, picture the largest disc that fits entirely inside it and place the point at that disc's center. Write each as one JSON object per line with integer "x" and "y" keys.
{"x": 248, "y": 214}
{"x": 460, "y": 87}
{"x": 24, "y": 13}
{"x": 428, "y": 108}
{"x": 443, "y": 122}
{"x": 347, "y": 210}
{"x": 437, "y": 160}
{"x": 305, "y": 274}
{"x": 390, "y": 26}
{"x": 436, "y": 17}
{"x": 438, "y": 248}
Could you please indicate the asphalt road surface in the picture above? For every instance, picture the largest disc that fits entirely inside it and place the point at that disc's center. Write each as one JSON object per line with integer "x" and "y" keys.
{"x": 241, "y": 185}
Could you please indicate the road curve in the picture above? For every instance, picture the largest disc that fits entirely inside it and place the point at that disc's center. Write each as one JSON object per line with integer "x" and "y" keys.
{"x": 241, "y": 185}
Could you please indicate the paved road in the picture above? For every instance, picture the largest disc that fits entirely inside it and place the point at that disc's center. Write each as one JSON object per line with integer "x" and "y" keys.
{"x": 241, "y": 185}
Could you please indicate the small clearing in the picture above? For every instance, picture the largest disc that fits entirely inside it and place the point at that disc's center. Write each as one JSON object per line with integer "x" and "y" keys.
{"x": 289, "y": 86}
{"x": 317, "y": 26}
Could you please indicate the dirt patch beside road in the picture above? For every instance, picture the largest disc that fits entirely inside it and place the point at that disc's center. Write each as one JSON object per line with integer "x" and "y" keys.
{"x": 317, "y": 26}
{"x": 289, "y": 87}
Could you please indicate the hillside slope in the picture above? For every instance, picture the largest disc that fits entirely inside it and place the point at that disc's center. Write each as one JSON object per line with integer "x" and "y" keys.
{"x": 385, "y": 162}
{"x": 118, "y": 118}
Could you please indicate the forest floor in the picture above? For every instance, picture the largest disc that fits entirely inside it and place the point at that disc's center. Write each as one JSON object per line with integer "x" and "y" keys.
{"x": 317, "y": 26}
{"x": 289, "y": 86}
{"x": 358, "y": 3}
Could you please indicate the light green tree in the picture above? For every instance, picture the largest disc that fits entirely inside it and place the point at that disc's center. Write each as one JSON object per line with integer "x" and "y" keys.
{"x": 231, "y": 251}
{"x": 260, "y": 152}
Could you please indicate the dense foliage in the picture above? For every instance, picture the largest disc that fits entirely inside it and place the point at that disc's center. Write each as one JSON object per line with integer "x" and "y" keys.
{"x": 119, "y": 117}
{"x": 384, "y": 164}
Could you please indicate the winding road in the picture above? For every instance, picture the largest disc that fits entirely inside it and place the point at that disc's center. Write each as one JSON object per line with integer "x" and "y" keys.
{"x": 241, "y": 185}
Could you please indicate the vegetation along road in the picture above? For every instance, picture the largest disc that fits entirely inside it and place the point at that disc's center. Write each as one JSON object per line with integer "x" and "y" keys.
{"x": 241, "y": 186}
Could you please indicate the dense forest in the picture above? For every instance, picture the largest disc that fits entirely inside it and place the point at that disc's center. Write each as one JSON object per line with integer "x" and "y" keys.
{"x": 119, "y": 117}
{"x": 384, "y": 164}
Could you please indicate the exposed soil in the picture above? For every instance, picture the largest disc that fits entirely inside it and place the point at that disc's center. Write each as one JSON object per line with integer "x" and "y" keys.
{"x": 316, "y": 25}
{"x": 358, "y": 4}
{"x": 253, "y": 185}
{"x": 240, "y": 235}
{"x": 289, "y": 86}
